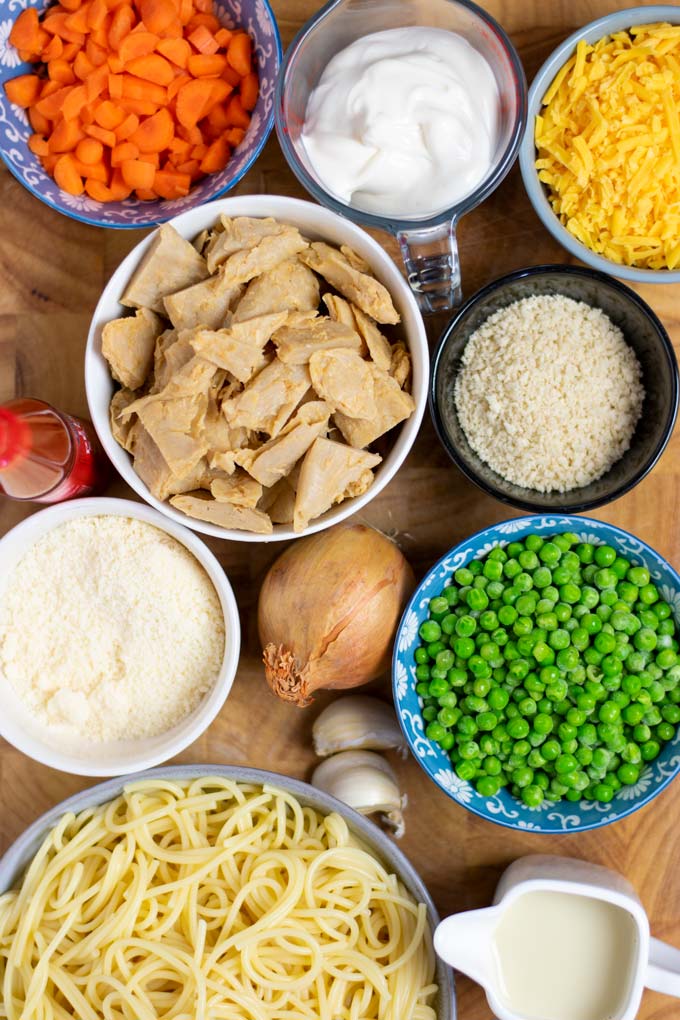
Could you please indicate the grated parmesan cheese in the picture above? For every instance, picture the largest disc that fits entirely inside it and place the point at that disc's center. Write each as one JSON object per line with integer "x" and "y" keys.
{"x": 549, "y": 393}
{"x": 608, "y": 146}
{"x": 110, "y": 629}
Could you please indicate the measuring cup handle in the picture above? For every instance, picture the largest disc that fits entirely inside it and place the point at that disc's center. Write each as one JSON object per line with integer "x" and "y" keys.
{"x": 663, "y": 972}
{"x": 432, "y": 266}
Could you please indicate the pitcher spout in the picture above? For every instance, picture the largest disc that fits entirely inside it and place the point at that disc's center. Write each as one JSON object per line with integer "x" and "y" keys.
{"x": 465, "y": 941}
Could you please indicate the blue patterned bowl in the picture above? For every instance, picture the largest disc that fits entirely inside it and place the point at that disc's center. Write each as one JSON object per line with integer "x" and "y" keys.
{"x": 504, "y": 809}
{"x": 255, "y": 16}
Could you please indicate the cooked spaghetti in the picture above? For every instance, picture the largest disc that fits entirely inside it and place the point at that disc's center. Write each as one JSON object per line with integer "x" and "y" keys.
{"x": 211, "y": 900}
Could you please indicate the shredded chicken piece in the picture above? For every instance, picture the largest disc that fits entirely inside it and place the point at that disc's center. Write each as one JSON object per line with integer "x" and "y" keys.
{"x": 268, "y": 401}
{"x": 358, "y": 287}
{"x": 328, "y": 471}
{"x": 170, "y": 263}
{"x": 276, "y": 458}
{"x": 288, "y": 287}
{"x": 128, "y": 345}
{"x": 344, "y": 380}
{"x": 392, "y": 404}
{"x": 226, "y": 515}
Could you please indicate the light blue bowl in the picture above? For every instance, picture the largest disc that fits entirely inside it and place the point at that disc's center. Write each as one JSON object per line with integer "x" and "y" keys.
{"x": 255, "y": 16}
{"x": 616, "y": 22}
{"x": 504, "y": 809}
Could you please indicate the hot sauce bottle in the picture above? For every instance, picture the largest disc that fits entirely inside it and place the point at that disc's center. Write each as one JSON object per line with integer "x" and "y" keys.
{"x": 47, "y": 456}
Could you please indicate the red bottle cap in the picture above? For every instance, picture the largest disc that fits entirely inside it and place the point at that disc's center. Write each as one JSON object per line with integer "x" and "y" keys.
{"x": 15, "y": 437}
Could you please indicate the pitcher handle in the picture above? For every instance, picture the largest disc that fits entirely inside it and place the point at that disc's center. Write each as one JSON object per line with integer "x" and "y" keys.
{"x": 663, "y": 972}
{"x": 433, "y": 266}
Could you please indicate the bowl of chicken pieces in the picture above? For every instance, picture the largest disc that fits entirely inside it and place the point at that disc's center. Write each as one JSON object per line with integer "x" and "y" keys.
{"x": 257, "y": 368}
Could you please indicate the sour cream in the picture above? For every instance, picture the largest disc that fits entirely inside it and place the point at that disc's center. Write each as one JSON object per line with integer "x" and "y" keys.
{"x": 404, "y": 122}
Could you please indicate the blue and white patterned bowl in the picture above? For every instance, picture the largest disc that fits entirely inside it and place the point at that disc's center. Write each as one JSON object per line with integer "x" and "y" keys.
{"x": 504, "y": 809}
{"x": 255, "y": 16}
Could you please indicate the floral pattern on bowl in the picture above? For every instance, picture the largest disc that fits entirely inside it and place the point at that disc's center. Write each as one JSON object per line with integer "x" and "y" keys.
{"x": 255, "y": 16}
{"x": 505, "y": 809}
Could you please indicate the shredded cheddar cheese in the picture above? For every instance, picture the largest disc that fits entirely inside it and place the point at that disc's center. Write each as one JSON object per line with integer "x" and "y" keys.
{"x": 608, "y": 146}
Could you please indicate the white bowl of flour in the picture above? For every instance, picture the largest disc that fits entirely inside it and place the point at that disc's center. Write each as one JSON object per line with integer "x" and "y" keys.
{"x": 119, "y": 637}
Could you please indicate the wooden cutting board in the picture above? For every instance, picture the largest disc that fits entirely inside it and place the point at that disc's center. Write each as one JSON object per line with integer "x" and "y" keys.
{"x": 52, "y": 271}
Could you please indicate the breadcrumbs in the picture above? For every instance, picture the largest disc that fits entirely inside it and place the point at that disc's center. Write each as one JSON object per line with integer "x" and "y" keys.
{"x": 549, "y": 393}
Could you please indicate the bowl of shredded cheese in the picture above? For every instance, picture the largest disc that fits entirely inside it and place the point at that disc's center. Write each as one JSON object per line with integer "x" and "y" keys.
{"x": 600, "y": 157}
{"x": 119, "y": 637}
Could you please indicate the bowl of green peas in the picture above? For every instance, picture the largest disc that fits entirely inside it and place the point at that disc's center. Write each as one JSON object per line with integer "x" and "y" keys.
{"x": 536, "y": 673}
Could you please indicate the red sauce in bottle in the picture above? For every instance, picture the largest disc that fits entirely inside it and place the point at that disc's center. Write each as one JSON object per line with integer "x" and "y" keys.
{"x": 47, "y": 456}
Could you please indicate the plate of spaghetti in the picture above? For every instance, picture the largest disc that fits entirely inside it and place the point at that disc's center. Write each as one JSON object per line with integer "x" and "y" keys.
{"x": 216, "y": 893}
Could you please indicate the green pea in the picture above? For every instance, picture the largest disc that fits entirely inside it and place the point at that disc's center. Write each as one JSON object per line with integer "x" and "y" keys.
{"x": 585, "y": 552}
{"x": 605, "y": 555}
{"x": 648, "y": 594}
{"x": 430, "y": 631}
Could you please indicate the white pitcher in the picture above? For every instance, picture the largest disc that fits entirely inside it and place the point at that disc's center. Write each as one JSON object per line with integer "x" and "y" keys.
{"x": 470, "y": 941}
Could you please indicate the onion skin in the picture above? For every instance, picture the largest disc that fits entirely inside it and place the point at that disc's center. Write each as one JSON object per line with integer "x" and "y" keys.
{"x": 328, "y": 610}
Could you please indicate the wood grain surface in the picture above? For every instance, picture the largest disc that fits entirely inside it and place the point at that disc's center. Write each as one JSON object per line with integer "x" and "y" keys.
{"x": 52, "y": 271}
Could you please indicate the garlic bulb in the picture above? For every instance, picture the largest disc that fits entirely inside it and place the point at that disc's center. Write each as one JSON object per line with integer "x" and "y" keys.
{"x": 357, "y": 721}
{"x": 364, "y": 781}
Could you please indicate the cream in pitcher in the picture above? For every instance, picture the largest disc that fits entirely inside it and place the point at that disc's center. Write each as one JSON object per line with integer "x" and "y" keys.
{"x": 564, "y": 940}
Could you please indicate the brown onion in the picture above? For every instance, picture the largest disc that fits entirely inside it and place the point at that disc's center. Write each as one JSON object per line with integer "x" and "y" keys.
{"x": 328, "y": 610}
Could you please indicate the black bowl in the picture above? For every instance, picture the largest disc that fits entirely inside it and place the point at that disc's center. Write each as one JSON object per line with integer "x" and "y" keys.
{"x": 643, "y": 332}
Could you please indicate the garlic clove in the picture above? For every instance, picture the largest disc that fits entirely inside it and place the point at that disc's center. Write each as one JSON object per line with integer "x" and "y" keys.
{"x": 357, "y": 722}
{"x": 364, "y": 781}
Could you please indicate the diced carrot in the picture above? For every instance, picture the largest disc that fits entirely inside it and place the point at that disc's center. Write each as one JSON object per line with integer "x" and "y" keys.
{"x": 171, "y": 185}
{"x": 101, "y": 35}
{"x": 206, "y": 64}
{"x": 155, "y": 133}
{"x": 50, "y": 102}
{"x": 231, "y": 76}
{"x": 71, "y": 50}
{"x": 179, "y": 147}
{"x": 203, "y": 40}
{"x": 204, "y": 6}
{"x": 199, "y": 151}
{"x": 97, "y": 14}
{"x": 192, "y": 135}
{"x": 153, "y": 68}
{"x": 50, "y": 161}
{"x": 240, "y": 52}
{"x": 41, "y": 125}
{"x": 216, "y": 157}
{"x": 70, "y": 5}
{"x": 193, "y": 102}
{"x": 147, "y": 194}
{"x": 66, "y": 175}
{"x": 49, "y": 88}
{"x": 235, "y": 136}
{"x": 38, "y": 145}
{"x": 82, "y": 66}
{"x": 137, "y": 44}
{"x": 209, "y": 21}
{"x": 250, "y": 90}
{"x": 53, "y": 50}
{"x": 89, "y": 151}
{"x": 157, "y": 14}
{"x": 65, "y": 136}
{"x": 105, "y": 137}
{"x": 177, "y": 51}
{"x": 25, "y": 34}
{"x": 236, "y": 115}
{"x": 77, "y": 21}
{"x": 23, "y": 90}
{"x": 95, "y": 54}
{"x": 123, "y": 151}
{"x": 99, "y": 192}
{"x": 140, "y": 107}
{"x": 186, "y": 11}
{"x": 108, "y": 115}
{"x": 137, "y": 174}
{"x": 222, "y": 37}
{"x": 96, "y": 82}
{"x": 221, "y": 90}
{"x": 173, "y": 31}
{"x": 191, "y": 167}
{"x": 56, "y": 24}
{"x": 128, "y": 126}
{"x": 93, "y": 171}
{"x": 60, "y": 70}
{"x": 177, "y": 84}
{"x": 115, "y": 64}
{"x": 115, "y": 83}
{"x": 123, "y": 21}
{"x": 152, "y": 158}
{"x": 119, "y": 189}
{"x": 217, "y": 119}
{"x": 87, "y": 113}
{"x": 74, "y": 102}
{"x": 135, "y": 88}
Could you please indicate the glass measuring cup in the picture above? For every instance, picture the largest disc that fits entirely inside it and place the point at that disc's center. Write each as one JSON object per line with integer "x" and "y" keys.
{"x": 428, "y": 244}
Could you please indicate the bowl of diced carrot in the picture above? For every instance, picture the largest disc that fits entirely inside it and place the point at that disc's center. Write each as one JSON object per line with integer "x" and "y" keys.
{"x": 122, "y": 113}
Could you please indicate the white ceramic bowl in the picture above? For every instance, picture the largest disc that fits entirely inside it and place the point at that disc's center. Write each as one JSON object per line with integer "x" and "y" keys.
{"x": 319, "y": 224}
{"x": 114, "y": 758}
